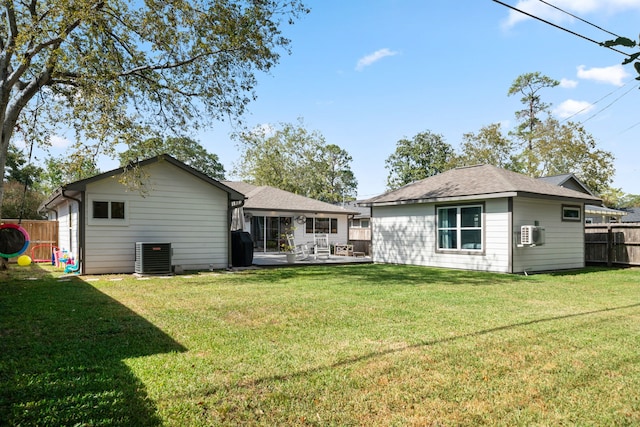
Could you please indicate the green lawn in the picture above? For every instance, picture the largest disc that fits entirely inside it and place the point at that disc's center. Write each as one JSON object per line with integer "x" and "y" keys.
{"x": 360, "y": 345}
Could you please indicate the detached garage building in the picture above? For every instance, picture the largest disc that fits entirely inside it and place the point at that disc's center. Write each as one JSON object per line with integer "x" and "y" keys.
{"x": 101, "y": 219}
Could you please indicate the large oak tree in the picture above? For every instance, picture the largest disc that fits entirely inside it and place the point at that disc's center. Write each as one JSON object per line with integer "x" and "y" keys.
{"x": 118, "y": 71}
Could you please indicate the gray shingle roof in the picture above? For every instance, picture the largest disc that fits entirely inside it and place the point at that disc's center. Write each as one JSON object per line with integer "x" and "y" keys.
{"x": 567, "y": 180}
{"x": 477, "y": 182}
{"x": 364, "y": 211}
{"x": 633, "y": 215}
{"x": 273, "y": 199}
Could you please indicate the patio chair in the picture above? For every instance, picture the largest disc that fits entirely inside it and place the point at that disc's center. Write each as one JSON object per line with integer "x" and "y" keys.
{"x": 301, "y": 250}
{"x": 321, "y": 245}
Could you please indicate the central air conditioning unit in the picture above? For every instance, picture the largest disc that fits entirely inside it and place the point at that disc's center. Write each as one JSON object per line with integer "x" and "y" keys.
{"x": 531, "y": 235}
{"x": 153, "y": 258}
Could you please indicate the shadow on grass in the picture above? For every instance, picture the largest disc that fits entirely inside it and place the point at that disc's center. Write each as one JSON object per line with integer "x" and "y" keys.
{"x": 63, "y": 345}
{"x": 429, "y": 343}
{"x": 383, "y": 274}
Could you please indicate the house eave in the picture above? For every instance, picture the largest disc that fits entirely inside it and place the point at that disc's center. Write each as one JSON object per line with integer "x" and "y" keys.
{"x": 281, "y": 211}
{"x": 507, "y": 194}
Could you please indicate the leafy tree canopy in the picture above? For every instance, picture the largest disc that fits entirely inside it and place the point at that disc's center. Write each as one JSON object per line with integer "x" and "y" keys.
{"x": 118, "y": 71}
{"x": 20, "y": 202}
{"x": 294, "y": 159}
{"x": 529, "y": 85}
{"x": 425, "y": 155}
{"x": 20, "y": 169}
{"x": 65, "y": 169}
{"x": 24, "y": 191}
{"x": 569, "y": 148}
{"x": 550, "y": 147}
{"x": 488, "y": 146}
{"x": 184, "y": 149}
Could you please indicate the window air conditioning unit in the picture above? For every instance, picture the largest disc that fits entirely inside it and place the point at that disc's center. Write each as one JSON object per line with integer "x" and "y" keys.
{"x": 153, "y": 258}
{"x": 531, "y": 235}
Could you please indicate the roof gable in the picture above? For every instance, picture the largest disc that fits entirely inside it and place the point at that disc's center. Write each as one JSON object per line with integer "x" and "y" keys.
{"x": 235, "y": 195}
{"x": 81, "y": 185}
{"x": 569, "y": 181}
{"x": 478, "y": 182}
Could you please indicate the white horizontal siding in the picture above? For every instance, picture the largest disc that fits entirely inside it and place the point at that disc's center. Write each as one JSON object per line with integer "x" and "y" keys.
{"x": 65, "y": 226}
{"x": 406, "y": 234}
{"x": 564, "y": 240}
{"x": 178, "y": 208}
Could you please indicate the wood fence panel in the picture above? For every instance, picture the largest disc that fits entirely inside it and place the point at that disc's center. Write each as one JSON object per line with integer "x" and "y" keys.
{"x": 360, "y": 234}
{"x": 43, "y": 235}
{"x": 360, "y": 238}
{"x": 612, "y": 244}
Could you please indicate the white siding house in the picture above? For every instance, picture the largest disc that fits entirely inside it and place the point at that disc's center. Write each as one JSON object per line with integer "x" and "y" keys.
{"x": 101, "y": 219}
{"x": 471, "y": 218}
{"x": 269, "y": 213}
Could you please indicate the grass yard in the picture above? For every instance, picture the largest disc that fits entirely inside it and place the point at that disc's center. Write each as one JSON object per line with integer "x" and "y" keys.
{"x": 361, "y": 345}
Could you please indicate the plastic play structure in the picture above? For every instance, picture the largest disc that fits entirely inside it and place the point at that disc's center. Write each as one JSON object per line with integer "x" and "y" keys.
{"x": 14, "y": 240}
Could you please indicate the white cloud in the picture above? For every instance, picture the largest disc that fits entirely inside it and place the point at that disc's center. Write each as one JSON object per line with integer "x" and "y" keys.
{"x": 376, "y": 56}
{"x": 532, "y": 7}
{"x": 571, "y": 107}
{"x": 568, "y": 84}
{"x": 577, "y": 7}
{"x": 264, "y": 129}
{"x": 58, "y": 141}
{"x": 614, "y": 75}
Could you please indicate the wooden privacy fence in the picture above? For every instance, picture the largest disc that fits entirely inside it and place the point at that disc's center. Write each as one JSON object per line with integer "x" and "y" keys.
{"x": 612, "y": 244}
{"x": 43, "y": 235}
{"x": 360, "y": 238}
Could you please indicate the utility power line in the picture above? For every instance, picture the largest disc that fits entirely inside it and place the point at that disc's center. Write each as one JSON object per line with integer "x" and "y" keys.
{"x": 578, "y": 18}
{"x": 585, "y": 38}
{"x": 561, "y": 28}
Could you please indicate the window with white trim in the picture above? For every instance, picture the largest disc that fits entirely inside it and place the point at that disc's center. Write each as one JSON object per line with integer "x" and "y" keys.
{"x": 460, "y": 228}
{"x": 359, "y": 223}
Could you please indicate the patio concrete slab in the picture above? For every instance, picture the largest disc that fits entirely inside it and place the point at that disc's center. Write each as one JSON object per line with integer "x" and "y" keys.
{"x": 261, "y": 259}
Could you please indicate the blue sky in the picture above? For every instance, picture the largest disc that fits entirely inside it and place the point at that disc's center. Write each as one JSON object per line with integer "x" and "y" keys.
{"x": 366, "y": 73}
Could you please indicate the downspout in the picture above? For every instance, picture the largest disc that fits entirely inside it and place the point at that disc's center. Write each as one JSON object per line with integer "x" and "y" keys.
{"x": 511, "y": 235}
{"x": 80, "y": 227}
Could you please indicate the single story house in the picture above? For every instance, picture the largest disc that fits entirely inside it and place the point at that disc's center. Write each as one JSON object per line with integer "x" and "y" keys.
{"x": 481, "y": 218}
{"x": 110, "y": 228}
{"x": 593, "y": 214}
{"x": 270, "y": 213}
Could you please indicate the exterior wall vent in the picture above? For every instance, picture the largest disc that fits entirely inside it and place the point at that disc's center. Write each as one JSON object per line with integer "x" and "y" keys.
{"x": 153, "y": 258}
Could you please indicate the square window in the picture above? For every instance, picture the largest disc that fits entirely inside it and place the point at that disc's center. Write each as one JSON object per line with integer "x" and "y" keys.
{"x": 460, "y": 228}
{"x": 101, "y": 210}
{"x": 471, "y": 217}
{"x": 117, "y": 210}
{"x": 447, "y": 239}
